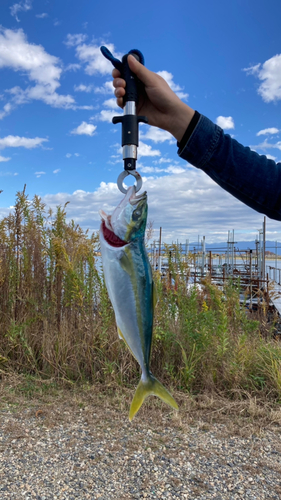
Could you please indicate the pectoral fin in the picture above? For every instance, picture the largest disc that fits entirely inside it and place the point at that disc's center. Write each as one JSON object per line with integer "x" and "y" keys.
{"x": 127, "y": 264}
{"x": 121, "y": 336}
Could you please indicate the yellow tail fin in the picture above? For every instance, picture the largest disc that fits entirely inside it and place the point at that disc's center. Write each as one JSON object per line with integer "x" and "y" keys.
{"x": 150, "y": 387}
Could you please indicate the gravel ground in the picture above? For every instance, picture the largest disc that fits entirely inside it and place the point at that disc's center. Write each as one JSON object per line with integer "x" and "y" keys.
{"x": 87, "y": 449}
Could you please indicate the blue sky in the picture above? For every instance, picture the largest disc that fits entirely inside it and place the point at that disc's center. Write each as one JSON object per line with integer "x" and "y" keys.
{"x": 57, "y": 101}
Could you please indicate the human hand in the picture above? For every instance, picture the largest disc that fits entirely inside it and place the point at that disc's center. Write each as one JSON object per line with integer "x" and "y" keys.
{"x": 157, "y": 102}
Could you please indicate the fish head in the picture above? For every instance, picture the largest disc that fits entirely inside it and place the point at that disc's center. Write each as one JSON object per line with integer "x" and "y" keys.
{"x": 128, "y": 221}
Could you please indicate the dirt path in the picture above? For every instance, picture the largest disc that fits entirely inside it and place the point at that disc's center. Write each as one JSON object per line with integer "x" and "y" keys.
{"x": 78, "y": 444}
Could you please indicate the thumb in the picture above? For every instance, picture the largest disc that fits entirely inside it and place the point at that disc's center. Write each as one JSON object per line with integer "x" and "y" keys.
{"x": 144, "y": 75}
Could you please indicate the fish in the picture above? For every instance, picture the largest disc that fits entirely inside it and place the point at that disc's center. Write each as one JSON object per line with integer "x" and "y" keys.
{"x": 129, "y": 282}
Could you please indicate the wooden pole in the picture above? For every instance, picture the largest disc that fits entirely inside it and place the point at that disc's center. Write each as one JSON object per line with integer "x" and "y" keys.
{"x": 251, "y": 304}
{"x": 263, "y": 249}
{"x": 160, "y": 242}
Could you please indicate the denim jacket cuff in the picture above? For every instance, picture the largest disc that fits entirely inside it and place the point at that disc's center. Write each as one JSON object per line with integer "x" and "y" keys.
{"x": 201, "y": 145}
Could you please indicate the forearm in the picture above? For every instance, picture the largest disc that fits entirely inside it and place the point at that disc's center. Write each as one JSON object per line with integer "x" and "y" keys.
{"x": 252, "y": 178}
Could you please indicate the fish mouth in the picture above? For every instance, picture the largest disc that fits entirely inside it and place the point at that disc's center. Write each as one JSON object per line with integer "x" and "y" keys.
{"x": 111, "y": 238}
{"x": 136, "y": 198}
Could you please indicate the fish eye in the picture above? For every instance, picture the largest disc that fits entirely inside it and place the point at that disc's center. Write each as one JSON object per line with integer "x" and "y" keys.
{"x": 136, "y": 214}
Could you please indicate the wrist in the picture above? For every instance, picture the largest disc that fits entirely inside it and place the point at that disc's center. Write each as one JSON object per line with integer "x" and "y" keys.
{"x": 181, "y": 120}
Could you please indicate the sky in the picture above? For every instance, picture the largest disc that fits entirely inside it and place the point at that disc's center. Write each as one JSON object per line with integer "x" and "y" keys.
{"x": 57, "y": 103}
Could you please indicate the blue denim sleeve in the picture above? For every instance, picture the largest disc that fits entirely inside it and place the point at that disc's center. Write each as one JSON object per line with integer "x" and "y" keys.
{"x": 252, "y": 178}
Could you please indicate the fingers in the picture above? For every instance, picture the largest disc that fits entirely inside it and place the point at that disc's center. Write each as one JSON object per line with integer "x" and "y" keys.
{"x": 115, "y": 73}
{"x": 119, "y": 84}
{"x": 120, "y": 102}
{"x": 145, "y": 75}
{"x": 119, "y": 92}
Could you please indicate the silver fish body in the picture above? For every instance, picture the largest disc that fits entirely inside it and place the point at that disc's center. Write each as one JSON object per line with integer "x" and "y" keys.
{"x": 129, "y": 282}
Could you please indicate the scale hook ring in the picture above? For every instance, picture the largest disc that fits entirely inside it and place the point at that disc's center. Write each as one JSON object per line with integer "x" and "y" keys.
{"x": 123, "y": 175}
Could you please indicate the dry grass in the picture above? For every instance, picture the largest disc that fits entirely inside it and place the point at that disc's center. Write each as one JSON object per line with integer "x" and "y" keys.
{"x": 54, "y": 402}
{"x": 55, "y": 315}
{"x": 57, "y": 323}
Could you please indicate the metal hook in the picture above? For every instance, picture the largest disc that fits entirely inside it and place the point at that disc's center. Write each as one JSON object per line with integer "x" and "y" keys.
{"x": 123, "y": 175}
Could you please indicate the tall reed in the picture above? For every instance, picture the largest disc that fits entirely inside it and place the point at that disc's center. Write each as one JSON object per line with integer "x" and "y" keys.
{"x": 56, "y": 319}
{"x": 54, "y": 309}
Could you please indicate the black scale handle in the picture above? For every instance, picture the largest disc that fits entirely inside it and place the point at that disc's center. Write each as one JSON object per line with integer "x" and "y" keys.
{"x": 130, "y": 122}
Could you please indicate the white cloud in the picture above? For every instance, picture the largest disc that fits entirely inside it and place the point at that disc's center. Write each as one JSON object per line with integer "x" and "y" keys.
{"x": 156, "y": 135}
{"x": 163, "y": 160}
{"x": 146, "y": 150}
{"x": 24, "y": 6}
{"x": 56, "y": 171}
{"x": 40, "y": 67}
{"x": 6, "y": 174}
{"x": 84, "y": 129}
{"x": 42, "y": 16}
{"x": 225, "y": 122}
{"x": 38, "y": 174}
{"x": 76, "y": 154}
{"x": 266, "y": 145}
{"x": 89, "y": 108}
{"x": 107, "y": 88}
{"x": 175, "y": 87}
{"x": 252, "y": 70}
{"x": 183, "y": 205}
{"x": 41, "y": 93}
{"x": 106, "y": 115}
{"x": 111, "y": 103}
{"x": 6, "y": 110}
{"x": 146, "y": 170}
{"x": 83, "y": 88}
{"x": 68, "y": 155}
{"x": 172, "y": 169}
{"x": 270, "y": 74}
{"x": 73, "y": 40}
{"x": 270, "y": 157}
{"x": 72, "y": 67}
{"x": 267, "y": 131}
{"x": 12, "y": 141}
{"x": 3, "y": 158}
{"x": 91, "y": 56}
